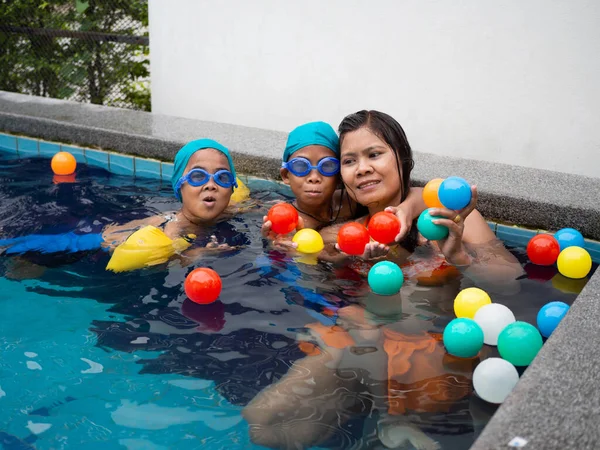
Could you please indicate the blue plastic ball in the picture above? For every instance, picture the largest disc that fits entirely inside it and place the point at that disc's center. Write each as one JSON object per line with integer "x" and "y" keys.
{"x": 550, "y": 316}
{"x": 455, "y": 193}
{"x": 463, "y": 338}
{"x": 569, "y": 237}
{"x": 430, "y": 230}
{"x": 385, "y": 278}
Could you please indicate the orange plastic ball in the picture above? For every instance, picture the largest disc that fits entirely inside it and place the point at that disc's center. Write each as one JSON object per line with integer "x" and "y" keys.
{"x": 63, "y": 163}
{"x": 283, "y": 217}
{"x": 203, "y": 285}
{"x": 430, "y": 193}
{"x": 352, "y": 238}
{"x": 384, "y": 227}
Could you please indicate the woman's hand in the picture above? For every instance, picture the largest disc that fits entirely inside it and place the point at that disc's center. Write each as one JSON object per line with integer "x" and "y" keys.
{"x": 404, "y": 215}
{"x": 452, "y": 246}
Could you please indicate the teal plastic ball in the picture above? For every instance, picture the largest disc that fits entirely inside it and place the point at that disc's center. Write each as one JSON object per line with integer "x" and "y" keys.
{"x": 519, "y": 343}
{"x": 430, "y": 230}
{"x": 385, "y": 278}
{"x": 463, "y": 338}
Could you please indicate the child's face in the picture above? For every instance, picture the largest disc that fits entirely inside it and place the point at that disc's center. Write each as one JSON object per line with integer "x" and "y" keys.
{"x": 313, "y": 189}
{"x": 205, "y": 203}
{"x": 369, "y": 169}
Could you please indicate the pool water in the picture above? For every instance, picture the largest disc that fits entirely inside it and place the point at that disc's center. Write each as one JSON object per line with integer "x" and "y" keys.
{"x": 91, "y": 359}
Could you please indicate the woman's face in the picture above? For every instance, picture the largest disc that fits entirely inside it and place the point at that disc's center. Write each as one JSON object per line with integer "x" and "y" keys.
{"x": 369, "y": 170}
{"x": 314, "y": 189}
{"x": 205, "y": 203}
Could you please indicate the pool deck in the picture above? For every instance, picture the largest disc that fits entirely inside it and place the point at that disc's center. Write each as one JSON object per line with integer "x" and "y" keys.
{"x": 556, "y": 404}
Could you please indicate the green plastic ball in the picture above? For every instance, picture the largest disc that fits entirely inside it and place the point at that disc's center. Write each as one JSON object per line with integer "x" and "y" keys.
{"x": 463, "y": 338}
{"x": 385, "y": 278}
{"x": 430, "y": 230}
{"x": 519, "y": 342}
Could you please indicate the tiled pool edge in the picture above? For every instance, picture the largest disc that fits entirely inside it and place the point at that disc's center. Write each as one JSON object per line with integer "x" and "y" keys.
{"x": 554, "y": 404}
{"x": 142, "y": 167}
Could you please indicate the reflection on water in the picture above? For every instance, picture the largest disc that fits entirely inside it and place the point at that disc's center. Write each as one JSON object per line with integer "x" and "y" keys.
{"x": 306, "y": 349}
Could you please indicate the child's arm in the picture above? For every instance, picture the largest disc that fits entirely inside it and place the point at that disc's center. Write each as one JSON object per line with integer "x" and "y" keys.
{"x": 409, "y": 210}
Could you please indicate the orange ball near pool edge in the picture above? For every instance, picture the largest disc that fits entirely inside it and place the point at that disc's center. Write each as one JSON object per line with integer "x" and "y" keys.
{"x": 63, "y": 163}
{"x": 430, "y": 193}
{"x": 203, "y": 285}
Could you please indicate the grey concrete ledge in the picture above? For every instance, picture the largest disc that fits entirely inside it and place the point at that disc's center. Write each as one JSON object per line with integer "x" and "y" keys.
{"x": 556, "y": 404}
{"x": 533, "y": 198}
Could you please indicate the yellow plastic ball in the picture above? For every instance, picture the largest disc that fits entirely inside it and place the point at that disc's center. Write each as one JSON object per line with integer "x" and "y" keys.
{"x": 468, "y": 301}
{"x": 308, "y": 240}
{"x": 574, "y": 262}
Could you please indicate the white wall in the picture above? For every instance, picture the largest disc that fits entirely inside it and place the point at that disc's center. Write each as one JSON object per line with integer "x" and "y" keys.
{"x": 514, "y": 81}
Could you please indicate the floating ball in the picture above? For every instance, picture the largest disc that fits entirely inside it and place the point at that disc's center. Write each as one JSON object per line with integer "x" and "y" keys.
{"x": 385, "y": 278}
{"x": 203, "y": 285}
{"x": 494, "y": 379}
{"x": 352, "y": 238}
{"x": 63, "y": 163}
{"x": 569, "y": 237}
{"x": 543, "y": 250}
{"x": 492, "y": 319}
{"x": 384, "y": 227}
{"x": 430, "y": 193}
{"x": 308, "y": 240}
{"x": 519, "y": 342}
{"x": 550, "y": 316}
{"x": 455, "y": 193}
{"x": 283, "y": 217}
{"x": 468, "y": 301}
{"x": 574, "y": 262}
{"x": 430, "y": 230}
{"x": 463, "y": 338}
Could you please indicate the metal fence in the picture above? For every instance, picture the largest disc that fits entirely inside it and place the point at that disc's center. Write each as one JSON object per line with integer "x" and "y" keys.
{"x": 90, "y": 51}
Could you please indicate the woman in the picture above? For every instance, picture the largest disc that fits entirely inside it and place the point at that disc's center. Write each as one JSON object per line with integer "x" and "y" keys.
{"x": 381, "y": 339}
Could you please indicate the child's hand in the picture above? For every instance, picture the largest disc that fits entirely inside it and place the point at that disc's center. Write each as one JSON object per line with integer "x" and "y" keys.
{"x": 283, "y": 241}
{"x": 373, "y": 250}
{"x": 405, "y": 218}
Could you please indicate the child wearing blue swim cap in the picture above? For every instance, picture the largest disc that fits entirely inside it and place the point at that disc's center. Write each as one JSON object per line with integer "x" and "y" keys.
{"x": 311, "y": 168}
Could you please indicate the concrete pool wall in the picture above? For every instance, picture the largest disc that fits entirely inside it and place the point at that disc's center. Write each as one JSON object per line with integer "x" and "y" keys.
{"x": 556, "y": 402}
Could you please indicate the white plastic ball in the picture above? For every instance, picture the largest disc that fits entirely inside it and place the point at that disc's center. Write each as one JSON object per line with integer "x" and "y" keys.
{"x": 494, "y": 379}
{"x": 492, "y": 319}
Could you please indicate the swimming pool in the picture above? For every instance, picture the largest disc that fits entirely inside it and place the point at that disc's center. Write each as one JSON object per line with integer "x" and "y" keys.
{"x": 92, "y": 359}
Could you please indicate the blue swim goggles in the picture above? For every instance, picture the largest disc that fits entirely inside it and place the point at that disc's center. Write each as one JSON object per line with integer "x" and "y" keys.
{"x": 328, "y": 166}
{"x": 199, "y": 177}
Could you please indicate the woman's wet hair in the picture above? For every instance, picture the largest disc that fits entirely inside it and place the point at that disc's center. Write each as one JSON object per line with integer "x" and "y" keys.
{"x": 391, "y": 132}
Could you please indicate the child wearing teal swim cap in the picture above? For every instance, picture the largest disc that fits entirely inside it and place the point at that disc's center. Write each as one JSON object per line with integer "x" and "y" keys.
{"x": 311, "y": 168}
{"x": 203, "y": 179}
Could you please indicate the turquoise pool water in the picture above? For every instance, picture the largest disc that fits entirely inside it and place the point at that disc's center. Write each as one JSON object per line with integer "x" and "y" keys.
{"x": 91, "y": 359}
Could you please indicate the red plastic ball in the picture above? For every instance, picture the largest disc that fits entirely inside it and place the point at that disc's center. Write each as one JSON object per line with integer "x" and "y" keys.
{"x": 384, "y": 227}
{"x": 203, "y": 285}
{"x": 283, "y": 217}
{"x": 352, "y": 238}
{"x": 543, "y": 250}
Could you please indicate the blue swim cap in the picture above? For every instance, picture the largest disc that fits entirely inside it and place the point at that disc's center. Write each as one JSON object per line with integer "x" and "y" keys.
{"x": 185, "y": 153}
{"x": 312, "y": 133}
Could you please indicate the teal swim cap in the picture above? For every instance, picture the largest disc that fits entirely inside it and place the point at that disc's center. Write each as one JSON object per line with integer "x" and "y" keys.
{"x": 185, "y": 153}
{"x": 312, "y": 133}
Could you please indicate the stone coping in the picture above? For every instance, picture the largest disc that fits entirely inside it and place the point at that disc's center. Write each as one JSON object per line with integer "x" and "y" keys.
{"x": 556, "y": 403}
